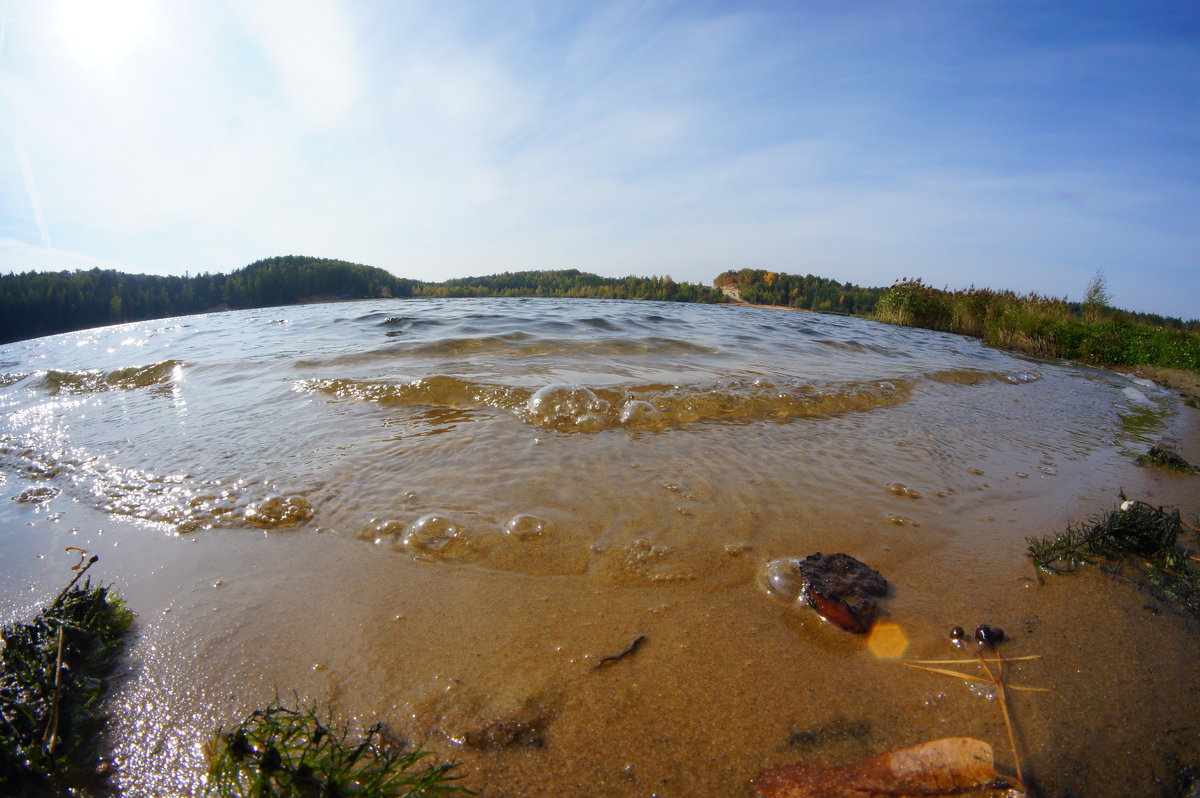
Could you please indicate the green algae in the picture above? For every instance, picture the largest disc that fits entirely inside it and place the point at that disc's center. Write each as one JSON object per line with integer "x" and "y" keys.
{"x": 53, "y": 680}
{"x": 1133, "y": 531}
{"x": 279, "y": 751}
{"x": 1166, "y": 457}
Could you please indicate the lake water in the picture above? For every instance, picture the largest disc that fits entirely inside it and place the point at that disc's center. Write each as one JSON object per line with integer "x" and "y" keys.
{"x": 446, "y": 514}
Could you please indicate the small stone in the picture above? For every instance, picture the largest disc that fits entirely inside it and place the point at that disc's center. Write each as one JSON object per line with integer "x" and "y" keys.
{"x": 989, "y": 635}
{"x": 506, "y": 733}
{"x": 843, "y": 590}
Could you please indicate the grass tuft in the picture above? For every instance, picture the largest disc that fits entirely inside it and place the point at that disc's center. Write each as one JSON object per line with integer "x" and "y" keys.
{"x": 51, "y": 686}
{"x": 279, "y": 751}
{"x": 1135, "y": 529}
{"x": 1166, "y": 457}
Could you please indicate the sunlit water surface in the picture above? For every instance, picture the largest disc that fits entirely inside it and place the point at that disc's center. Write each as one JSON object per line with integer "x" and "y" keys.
{"x": 445, "y": 514}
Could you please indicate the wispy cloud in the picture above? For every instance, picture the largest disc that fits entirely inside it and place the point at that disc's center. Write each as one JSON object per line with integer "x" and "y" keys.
{"x": 35, "y": 200}
{"x": 980, "y": 144}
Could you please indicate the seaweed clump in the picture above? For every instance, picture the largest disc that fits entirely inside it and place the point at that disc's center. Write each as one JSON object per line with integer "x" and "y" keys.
{"x": 1135, "y": 529}
{"x": 51, "y": 686}
{"x": 279, "y": 751}
{"x": 1166, "y": 457}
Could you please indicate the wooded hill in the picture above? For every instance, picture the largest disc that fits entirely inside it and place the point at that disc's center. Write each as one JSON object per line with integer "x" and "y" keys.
{"x": 571, "y": 283}
{"x": 34, "y": 304}
{"x": 761, "y": 287}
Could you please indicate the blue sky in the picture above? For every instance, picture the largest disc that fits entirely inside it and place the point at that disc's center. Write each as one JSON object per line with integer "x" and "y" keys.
{"x": 1020, "y": 145}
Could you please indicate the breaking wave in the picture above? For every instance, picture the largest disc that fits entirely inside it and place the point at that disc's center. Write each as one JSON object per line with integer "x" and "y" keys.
{"x": 94, "y": 380}
{"x": 569, "y": 407}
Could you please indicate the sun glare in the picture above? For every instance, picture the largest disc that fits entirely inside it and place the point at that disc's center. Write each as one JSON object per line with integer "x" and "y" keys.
{"x": 102, "y": 30}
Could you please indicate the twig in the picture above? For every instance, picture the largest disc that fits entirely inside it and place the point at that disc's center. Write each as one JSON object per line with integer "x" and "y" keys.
{"x": 52, "y": 727}
{"x": 70, "y": 585}
{"x": 1025, "y": 658}
{"x": 999, "y": 682}
{"x": 637, "y": 641}
{"x": 966, "y": 677}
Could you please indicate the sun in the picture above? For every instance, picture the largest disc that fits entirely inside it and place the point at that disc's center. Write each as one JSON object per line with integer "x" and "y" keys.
{"x": 102, "y": 30}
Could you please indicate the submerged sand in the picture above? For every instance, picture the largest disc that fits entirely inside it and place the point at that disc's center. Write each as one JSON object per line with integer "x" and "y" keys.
{"x": 934, "y": 461}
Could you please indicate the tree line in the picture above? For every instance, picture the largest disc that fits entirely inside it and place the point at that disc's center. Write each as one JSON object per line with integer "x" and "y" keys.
{"x": 807, "y": 292}
{"x": 571, "y": 283}
{"x": 34, "y": 304}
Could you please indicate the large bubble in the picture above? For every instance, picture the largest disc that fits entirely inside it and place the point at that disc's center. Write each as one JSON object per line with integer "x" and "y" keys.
{"x": 638, "y": 412}
{"x": 431, "y": 533}
{"x": 524, "y": 527}
{"x": 784, "y": 578}
{"x": 566, "y": 406}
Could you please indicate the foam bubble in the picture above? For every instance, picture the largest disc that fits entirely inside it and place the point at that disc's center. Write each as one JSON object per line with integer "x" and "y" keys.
{"x": 900, "y": 489}
{"x": 431, "y": 533}
{"x": 524, "y": 526}
{"x": 783, "y": 578}
{"x": 638, "y": 412}
{"x": 563, "y": 404}
{"x": 279, "y": 512}
{"x": 1136, "y": 397}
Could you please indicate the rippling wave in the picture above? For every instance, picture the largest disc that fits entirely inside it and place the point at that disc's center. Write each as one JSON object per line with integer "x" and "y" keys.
{"x": 271, "y": 419}
{"x": 576, "y": 408}
{"x": 121, "y": 379}
{"x": 515, "y": 489}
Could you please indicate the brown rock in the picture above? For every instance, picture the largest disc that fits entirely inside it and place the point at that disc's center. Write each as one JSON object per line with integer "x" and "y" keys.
{"x": 506, "y": 733}
{"x": 843, "y": 590}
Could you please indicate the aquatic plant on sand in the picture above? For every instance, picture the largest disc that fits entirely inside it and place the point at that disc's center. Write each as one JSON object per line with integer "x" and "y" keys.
{"x": 1133, "y": 531}
{"x": 278, "y": 751}
{"x": 1166, "y": 457}
{"x": 53, "y": 680}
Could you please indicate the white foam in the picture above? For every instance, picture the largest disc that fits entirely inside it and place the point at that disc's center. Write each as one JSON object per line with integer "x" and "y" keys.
{"x": 1135, "y": 396}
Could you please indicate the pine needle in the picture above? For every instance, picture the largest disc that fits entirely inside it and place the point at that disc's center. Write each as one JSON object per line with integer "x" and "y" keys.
{"x": 967, "y": 677}
{"x": 998, "y": 680}
{"x": 945, "y": 672}
{"x": 1025, "y": 658}
{"x": 995, "y": 677}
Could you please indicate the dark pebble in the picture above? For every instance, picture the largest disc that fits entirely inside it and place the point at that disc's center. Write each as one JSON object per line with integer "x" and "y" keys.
{"x": 989, "y": 635}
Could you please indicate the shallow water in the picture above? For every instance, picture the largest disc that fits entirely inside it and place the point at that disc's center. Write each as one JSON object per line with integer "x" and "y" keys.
{"x": 443, "y": 514}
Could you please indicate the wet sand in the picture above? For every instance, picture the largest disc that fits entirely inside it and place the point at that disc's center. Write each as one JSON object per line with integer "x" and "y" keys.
{"x": 726, "y": 683}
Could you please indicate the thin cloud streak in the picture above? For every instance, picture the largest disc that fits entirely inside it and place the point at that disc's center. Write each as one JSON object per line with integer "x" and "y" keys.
{"x": 35, "y": 200}
{"x": 864, "y": 144}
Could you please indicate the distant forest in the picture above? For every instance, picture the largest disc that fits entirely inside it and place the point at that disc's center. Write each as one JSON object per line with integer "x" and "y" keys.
{"x": 571, "y": 283}
{"x": 34, "y": 304}
{"x": 761, "y": 287}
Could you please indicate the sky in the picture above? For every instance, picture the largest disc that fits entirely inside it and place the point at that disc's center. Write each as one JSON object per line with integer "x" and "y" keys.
{"x": 1010, "y": 144}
